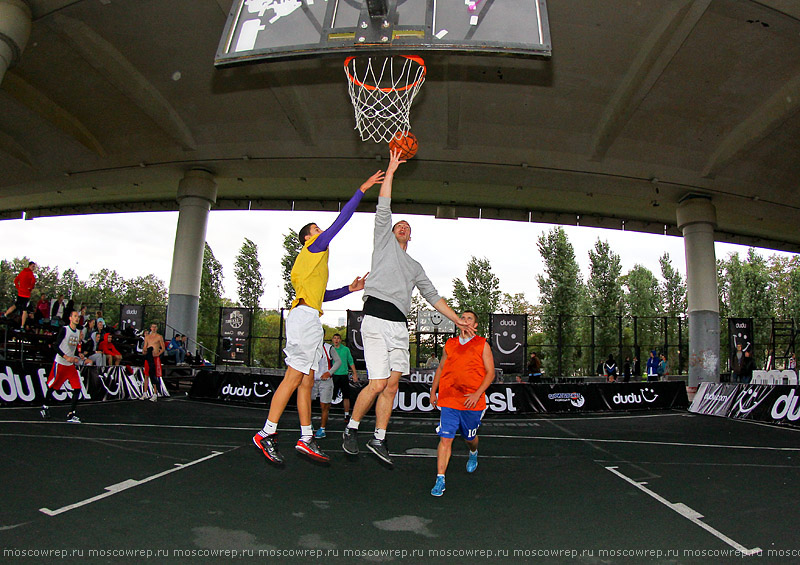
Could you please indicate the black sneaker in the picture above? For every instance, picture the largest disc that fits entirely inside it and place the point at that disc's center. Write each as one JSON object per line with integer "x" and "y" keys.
{"x": 45, "y": 412}
{"x": 378, "y": 447}
{"x": 350, "y": 441}
{"x": 311, "y": 449}
{"x": 269, "y": 447}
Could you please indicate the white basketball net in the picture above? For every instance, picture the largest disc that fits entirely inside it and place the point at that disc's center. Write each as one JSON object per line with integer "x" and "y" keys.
{"x": 382, "y": 90}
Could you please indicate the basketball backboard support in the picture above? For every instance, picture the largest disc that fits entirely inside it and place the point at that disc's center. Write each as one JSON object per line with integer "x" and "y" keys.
{"x": 259, "y": 30}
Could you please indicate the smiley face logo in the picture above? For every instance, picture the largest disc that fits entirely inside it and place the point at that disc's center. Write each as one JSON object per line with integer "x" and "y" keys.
{"x": 750, "y": 398}
{"x": 509, "y": 340}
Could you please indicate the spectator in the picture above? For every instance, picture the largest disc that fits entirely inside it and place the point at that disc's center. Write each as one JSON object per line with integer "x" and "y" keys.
{"x": 83, "y": 315}
{"x": 610, "y": 369}
{"x": 663, "y": 368}
{"x": 433, "y": 361}
{"x": 42, "y": 314}
{"x": 176, "y": 351}
{"x": 626, "y": 369}
{"x": 113, "y": 356}
{"x": 736, "y": 364}
{"x": 340, "y": 384}
{"x": 323, "y": 384}
{"x": 153, "y": 348}
{"x": 791, "y": 363}
{"x": 58, "y": 308}
{"x": 70, "y": 307}
{"x": 652, "y": 367}
{"x": 534, "y": 369}
{"x": 637, "y": 367}
{"x": 24, "y": 281}
{"x": 748, "y": 365}
{"x": 89, "y": 345}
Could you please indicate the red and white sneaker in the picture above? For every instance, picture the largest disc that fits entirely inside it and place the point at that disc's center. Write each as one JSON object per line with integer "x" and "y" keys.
{"x": 311, "y": 449}
{"x": 269, "y": 447}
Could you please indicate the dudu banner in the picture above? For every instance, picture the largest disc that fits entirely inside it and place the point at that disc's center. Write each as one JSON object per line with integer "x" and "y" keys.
{"x": 740, "y": 331}
{"x": 354, "y": 341}
{"x": 776, "y": 404}
{"x": 130, "y": 316}
{"x": 414, "y": 395}
{"x": 235, "y": 336}
{"x": 507, "y": 336}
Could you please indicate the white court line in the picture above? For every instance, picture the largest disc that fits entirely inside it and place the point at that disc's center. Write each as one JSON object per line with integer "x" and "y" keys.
{"x": 691, "y": 515}
{"x": 119, "y": 440}
{"x": 426, "y": 434}
{"x": 125, "y": 485}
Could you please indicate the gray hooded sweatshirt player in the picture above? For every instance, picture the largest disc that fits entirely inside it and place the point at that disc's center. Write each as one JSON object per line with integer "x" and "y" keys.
{"x": 394, "y": 274}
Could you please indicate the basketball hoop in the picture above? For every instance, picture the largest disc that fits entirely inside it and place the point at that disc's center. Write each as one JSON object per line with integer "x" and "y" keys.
{"x": 382, "y": 91}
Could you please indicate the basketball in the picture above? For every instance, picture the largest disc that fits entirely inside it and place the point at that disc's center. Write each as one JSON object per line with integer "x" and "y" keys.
{"x": 405, "y": 142}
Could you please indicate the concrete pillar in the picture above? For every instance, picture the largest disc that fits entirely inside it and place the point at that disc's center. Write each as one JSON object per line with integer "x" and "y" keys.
{"x": 15, "y": 28}
{"x": 697, "y": 218}
{"x": 197, "y": 192}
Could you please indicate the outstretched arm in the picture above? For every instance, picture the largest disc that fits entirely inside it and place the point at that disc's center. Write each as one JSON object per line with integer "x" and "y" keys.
{"x": 394, "y": 162}
{"x": 324, "y": 239}
{"x": 441, "y": 306}
{"x": 337, "y": 293}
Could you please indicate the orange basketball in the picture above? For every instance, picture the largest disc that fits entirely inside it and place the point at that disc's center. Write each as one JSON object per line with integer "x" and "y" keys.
{"x": 405, "y": 142}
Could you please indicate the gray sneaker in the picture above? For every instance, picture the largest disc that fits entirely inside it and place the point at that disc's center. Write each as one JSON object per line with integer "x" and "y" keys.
{"x": 350, "y": 441}
{"x": 378, "y": 447}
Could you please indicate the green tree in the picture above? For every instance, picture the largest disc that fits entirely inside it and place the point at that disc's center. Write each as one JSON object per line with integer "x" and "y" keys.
{"x": 560, "y": 289}
{"x": 516, "y": 304}
{"x": 674, "y": 289}
{"x": 210, "y": 300}
{"x": 643, "y": 301}
{"x": 605, "y": 295}
{"x": 480, "y": 292}
{"x": 291, "y": 249}
{"x": 248, "y": 275}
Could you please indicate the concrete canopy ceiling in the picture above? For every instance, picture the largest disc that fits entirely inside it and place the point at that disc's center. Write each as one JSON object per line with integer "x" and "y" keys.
{"x": 641, "y": 104}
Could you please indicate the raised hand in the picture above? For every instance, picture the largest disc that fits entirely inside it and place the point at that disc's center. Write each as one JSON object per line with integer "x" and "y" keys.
{"x": 377, "y": 178}
{"x": 358, "y": 284}
{"x": 394, "y": 160}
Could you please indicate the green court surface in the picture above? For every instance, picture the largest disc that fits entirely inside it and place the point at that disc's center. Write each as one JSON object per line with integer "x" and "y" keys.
{"x": 180, "y": 481}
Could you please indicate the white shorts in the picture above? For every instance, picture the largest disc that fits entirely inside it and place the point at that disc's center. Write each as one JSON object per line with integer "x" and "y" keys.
{"x": 323, "y": 390}
{"x": 304, "y": 336}
{"x": 385, "y": 347}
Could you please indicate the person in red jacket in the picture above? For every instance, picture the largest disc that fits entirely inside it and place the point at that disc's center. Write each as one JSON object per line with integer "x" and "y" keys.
{"x": 24, "y": 281}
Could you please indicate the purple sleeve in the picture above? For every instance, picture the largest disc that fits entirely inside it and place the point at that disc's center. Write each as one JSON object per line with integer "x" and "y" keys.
{"x": 324, "y": 239}
{"x": 336, "y": 293}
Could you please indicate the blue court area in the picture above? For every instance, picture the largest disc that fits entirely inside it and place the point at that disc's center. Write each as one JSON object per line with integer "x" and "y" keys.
{"x": 180, "y": 481}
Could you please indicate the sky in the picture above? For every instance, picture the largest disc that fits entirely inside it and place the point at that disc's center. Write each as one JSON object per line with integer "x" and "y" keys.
{"x": 142, "y": 243}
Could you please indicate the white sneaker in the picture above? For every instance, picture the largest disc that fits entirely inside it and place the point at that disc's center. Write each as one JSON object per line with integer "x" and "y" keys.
{"x": 154, "y": 398}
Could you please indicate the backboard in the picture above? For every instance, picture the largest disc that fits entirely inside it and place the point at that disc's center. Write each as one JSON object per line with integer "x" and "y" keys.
{"x": 259, "y": 30}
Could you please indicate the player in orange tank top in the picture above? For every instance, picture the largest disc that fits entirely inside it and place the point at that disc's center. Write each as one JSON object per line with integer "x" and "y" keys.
{"x": 466, "y": 371}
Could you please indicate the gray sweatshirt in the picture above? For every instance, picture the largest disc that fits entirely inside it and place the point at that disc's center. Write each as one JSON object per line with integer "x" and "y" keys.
{"x": 394, "y": 274}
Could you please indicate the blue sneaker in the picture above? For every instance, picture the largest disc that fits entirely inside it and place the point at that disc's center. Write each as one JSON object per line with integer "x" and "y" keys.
{"x": 320, "y": 434}
{"x": 438, "y": 488}
{"x": 472, "y": 462}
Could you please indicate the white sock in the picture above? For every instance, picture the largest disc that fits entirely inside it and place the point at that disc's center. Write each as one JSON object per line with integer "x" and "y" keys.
{"x": 347, "y": 414}
{"x": 270, "y": 428}
{"x": 353, "y": 424}
{"x": 306, "y": 432}
{"x": 439, "y": 475}
{"x": 380, "y": 434}
{"x": 473, "y": 452}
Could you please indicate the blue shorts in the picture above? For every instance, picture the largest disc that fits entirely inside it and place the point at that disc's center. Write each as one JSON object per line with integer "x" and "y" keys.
{"x": 465, "y": 421}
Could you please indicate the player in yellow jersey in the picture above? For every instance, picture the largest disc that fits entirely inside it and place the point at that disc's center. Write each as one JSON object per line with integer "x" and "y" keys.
{"x": 304, "y": 333}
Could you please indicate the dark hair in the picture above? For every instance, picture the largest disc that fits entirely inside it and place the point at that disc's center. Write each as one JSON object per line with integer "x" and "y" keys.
{"x": 31, "y": 263}
{"x": 470, "y": 312}
{"x": 304, "y": 232}
{"x": 340, "y": 335}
